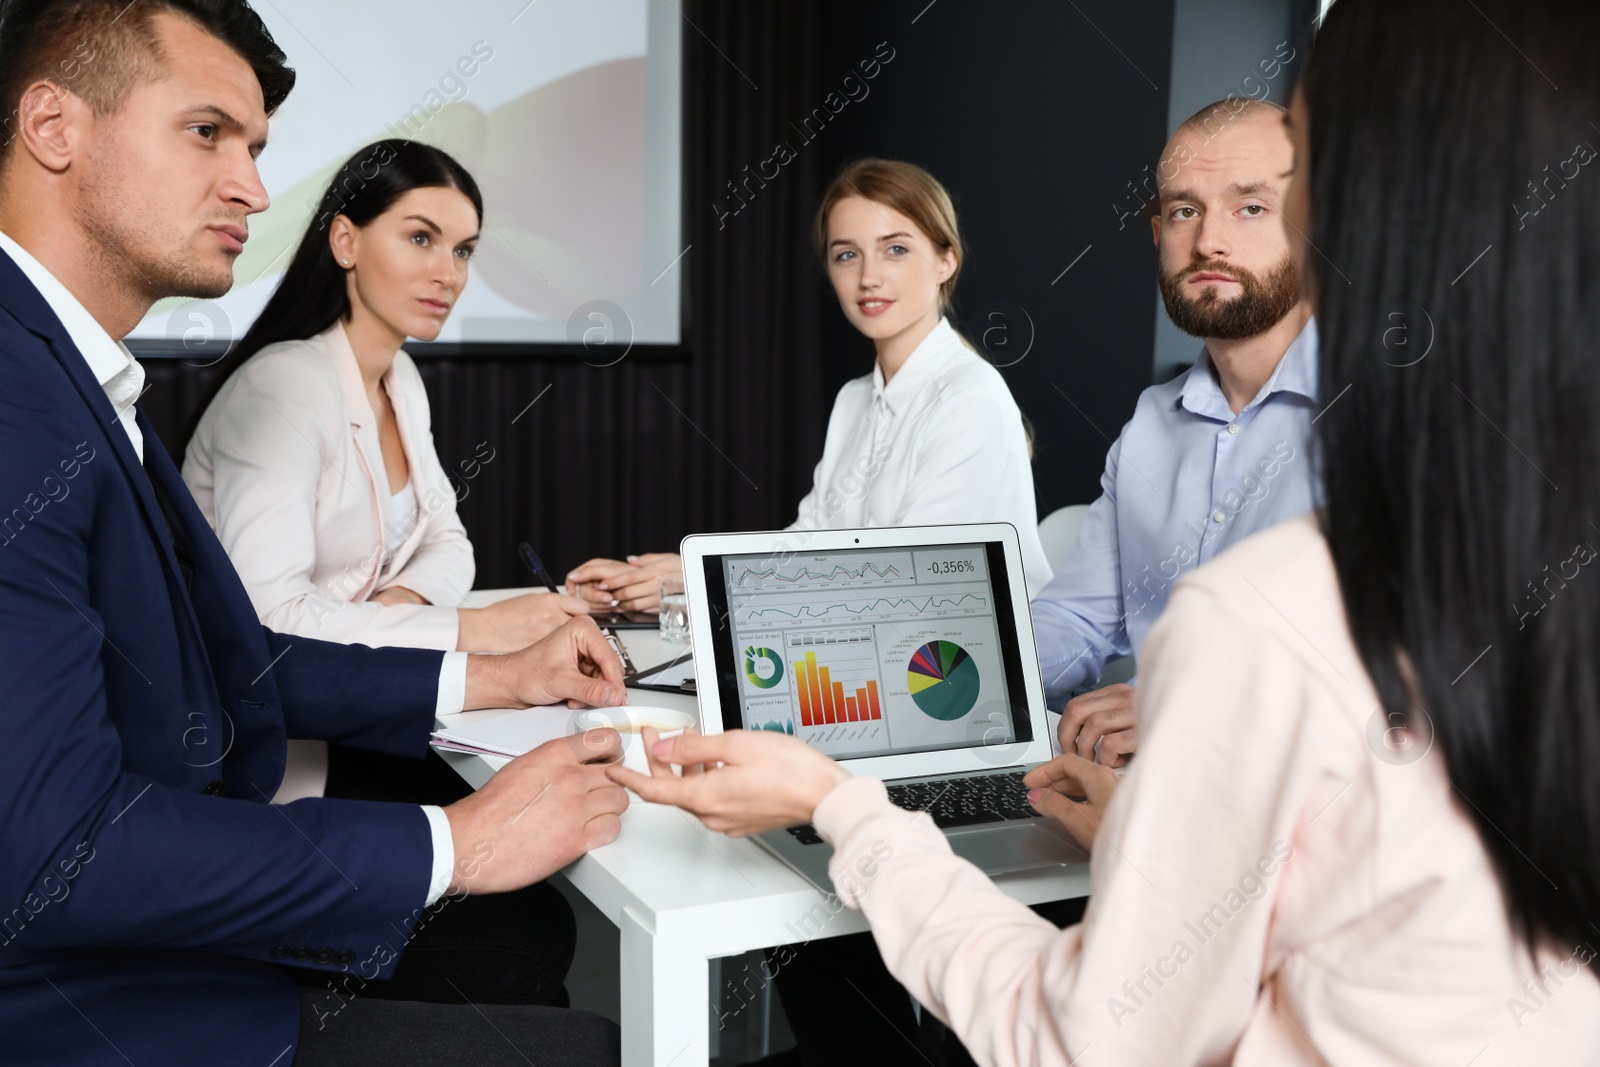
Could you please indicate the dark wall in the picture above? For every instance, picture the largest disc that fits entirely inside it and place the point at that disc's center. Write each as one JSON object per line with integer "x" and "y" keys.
{"x": 1029, "y": 115}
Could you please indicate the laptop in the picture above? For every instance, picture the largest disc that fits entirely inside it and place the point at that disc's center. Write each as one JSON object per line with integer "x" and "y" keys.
{"x": 905, "y": 653}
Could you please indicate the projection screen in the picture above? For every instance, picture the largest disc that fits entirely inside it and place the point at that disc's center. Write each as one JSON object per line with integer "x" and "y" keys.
{"x": 567, "y": 113}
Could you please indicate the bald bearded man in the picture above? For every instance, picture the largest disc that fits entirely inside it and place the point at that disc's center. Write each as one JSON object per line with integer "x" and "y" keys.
{"x": 1212, "y": 456}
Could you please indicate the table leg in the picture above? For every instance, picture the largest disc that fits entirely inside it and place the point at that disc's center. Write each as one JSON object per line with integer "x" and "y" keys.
{"x": 665, "y": 1018}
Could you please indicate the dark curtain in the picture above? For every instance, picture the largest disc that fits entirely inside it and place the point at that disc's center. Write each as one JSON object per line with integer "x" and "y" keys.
{"x": 630, "y": 457}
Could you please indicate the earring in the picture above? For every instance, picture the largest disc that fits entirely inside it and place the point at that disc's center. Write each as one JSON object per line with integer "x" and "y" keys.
{"x": 346, "y": 262}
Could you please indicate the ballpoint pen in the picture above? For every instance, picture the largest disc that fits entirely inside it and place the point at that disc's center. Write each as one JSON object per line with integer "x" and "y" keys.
{"x": 531, "y": 560}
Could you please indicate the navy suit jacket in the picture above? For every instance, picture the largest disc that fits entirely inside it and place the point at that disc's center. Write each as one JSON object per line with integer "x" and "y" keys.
{"x": 147, "y": 887}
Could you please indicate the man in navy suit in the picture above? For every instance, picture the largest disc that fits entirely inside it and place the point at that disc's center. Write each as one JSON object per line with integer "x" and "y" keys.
{"x": 149, "y": 893}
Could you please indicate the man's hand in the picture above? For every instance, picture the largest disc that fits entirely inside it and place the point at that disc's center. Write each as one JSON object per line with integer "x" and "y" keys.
{"x": 620, "y": 585}
{"x": 575, "y": 663}
{"x": 516, "y": 622}
{"x": 740, "y": 782}
{"x": 1103, "y": 717}
{"x": 1074, "y": 792}
{"x": 537, "y": 814}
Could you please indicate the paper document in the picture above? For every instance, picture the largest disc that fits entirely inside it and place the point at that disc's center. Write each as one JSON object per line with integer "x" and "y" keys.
{"x": 516, "y": 732}
{"x": 510, "y": 734}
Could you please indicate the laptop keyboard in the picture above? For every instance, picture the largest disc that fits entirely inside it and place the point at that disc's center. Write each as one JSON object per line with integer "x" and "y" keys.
{"x": 954, "y": 802}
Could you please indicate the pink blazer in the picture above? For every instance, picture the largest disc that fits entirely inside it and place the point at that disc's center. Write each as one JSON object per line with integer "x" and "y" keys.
{"x": 286, "y": 466}
{"x": 1275, "y": 884}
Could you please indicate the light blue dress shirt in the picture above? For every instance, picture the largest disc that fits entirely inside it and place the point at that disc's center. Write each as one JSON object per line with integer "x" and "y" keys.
{"x": 1186, "y": 479}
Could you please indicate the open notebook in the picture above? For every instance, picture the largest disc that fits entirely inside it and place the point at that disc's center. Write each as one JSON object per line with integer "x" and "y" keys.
{"x": 514, "y": 733}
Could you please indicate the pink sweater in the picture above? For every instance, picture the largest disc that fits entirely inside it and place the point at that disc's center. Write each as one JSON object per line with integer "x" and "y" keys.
{"x": 1274, "y": 884}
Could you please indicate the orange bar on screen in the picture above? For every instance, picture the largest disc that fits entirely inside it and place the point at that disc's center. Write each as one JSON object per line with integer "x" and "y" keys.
{"x": 833, "y": 710}
{"x": 862, "y": 705}
{"x": 850, "y": 709}
{"x": 838, "y": 699}
{"x": 804, "y": 691}
{"x": 816, "y": 690}
{"x": 872, "y": 697}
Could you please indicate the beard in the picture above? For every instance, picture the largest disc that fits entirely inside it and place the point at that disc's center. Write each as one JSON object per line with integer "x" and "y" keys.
{"x": 1262, "y": 302}
{"x": 153, "y": 259}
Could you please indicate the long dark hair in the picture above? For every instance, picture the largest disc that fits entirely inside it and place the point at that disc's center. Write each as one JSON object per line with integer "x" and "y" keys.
{"x": 1454, "y": 207}
{"x": 313, "y": 295}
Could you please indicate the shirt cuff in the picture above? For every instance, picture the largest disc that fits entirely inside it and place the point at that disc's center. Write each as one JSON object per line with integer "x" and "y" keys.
{"x": 452, "y": 684}
{"x": 444, "y": 852}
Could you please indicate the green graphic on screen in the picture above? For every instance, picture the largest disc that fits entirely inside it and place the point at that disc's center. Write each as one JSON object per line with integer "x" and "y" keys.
{"x": 763, "y": 667}
{"x": 784, "y": 727}
{"x": 943, "y": 680}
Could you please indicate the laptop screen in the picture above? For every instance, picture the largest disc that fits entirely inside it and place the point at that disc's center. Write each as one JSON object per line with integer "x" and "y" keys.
{"x": 870, "y": 652}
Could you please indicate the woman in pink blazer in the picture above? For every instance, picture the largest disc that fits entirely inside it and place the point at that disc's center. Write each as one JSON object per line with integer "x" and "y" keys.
{"x": 314, "y": 460}
{"x": 1363, "y": 824}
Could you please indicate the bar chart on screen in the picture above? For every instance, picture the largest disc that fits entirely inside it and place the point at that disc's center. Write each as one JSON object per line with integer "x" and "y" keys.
{"x": 836, "y": 676}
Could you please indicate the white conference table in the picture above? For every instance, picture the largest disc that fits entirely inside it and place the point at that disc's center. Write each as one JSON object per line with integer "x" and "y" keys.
{"x": 682, "y": 895}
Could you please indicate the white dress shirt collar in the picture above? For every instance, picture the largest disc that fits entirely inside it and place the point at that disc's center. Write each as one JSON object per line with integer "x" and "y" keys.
{"x": 924, "y": 362}
{"x": 113, "y": 366}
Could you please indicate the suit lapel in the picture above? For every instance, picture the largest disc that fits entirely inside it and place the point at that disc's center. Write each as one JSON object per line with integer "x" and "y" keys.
{"x": 256, "y": 723}
{"x": 20, "y": 297}
{"x": 99, "y": 404}
{"x": 363, "y": 430}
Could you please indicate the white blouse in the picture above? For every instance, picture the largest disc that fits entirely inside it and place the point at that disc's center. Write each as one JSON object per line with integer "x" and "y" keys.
{"x": 940, "y": 442}
{"x": 402, "y": 520}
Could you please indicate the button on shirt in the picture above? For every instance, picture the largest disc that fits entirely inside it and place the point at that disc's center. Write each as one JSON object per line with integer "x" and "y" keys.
{"x": 122, "y": 378}
{"x": 942, "y": 441}
{"x": 1186, "y": 479}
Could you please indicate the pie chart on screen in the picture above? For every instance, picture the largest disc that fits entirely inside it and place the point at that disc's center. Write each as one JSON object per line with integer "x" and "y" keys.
{"x": 763, "y": 667}
{"x": 943, "y": 680}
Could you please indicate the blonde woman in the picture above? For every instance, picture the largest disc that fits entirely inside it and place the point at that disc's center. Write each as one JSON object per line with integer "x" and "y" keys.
{"x": 932, "y": 434}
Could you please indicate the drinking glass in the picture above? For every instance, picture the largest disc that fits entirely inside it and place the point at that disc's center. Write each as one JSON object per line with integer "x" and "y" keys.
{"x": 674, "y": 610}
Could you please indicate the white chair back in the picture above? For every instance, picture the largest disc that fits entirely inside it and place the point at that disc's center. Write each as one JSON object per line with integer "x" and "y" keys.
{"x": 1058, "y": 531}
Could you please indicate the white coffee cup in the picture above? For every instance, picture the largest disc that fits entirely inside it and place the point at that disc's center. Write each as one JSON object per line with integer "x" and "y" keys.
{"x": 629, "y": 721}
